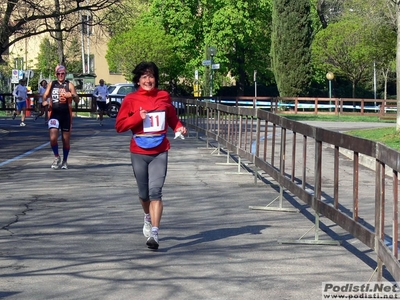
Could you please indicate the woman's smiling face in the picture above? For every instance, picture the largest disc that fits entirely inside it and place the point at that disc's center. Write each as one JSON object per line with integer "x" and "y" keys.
{"x": 147, "y": 81}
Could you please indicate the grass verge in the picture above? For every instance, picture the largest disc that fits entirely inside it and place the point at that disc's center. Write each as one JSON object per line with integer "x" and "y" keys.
{"x": 335, "y": 118}
{"x": 386, "y": 135}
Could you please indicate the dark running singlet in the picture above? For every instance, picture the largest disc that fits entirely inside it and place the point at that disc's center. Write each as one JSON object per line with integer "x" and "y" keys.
{"x": 61, "y": 110}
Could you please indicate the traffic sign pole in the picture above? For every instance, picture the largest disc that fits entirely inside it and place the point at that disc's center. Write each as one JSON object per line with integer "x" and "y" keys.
{"x": 211, "y": 76}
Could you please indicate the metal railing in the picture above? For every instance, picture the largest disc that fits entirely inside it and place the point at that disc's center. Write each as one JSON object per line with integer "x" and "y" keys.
{"x": 264, "y": 139}
{"x": 282, "y": 149}
{"x": 86, "y": 103}
{"x": 384, "y": 109}
{"x": 314, "y": 105}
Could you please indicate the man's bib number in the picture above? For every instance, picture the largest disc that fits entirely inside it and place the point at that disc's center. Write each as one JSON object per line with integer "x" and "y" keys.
{"x": 155, "y": 121}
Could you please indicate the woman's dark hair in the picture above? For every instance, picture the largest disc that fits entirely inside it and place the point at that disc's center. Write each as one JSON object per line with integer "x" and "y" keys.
{"x": 144, "y": 68}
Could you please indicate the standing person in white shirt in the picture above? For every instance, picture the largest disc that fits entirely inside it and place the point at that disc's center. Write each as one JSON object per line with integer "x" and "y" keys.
{"x": 21, "y": 94}
{"x": 43, "y": 109}
{"x": 100, "y": 93}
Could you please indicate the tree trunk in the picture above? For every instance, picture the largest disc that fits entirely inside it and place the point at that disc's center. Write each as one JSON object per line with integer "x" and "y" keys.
{"x": 385, "y": 74}
{"x": 59, "y": 35}
{"x": 241, "y": 82}
{"x": 320, "y": 11}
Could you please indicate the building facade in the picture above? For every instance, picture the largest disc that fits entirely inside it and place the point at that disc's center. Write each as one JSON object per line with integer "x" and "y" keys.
{"x": 23, "y": 55}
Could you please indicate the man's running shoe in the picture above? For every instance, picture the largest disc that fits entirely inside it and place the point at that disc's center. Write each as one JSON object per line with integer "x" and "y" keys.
{"x": 147, "y": 228}
{"x": 56, "y": 162}
{"x": 64, "y": 165}
{"x": 22, "y": 124}
{"x": 152, "y": 241}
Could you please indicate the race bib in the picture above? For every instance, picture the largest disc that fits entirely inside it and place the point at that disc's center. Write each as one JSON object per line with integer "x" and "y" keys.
{"x": 53, "y": 123}
{"x": 155, "y": 121}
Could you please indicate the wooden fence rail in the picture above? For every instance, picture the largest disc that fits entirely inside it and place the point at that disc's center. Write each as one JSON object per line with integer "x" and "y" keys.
{"x": 249, "y": 128}
{"x": 264, "y": 139}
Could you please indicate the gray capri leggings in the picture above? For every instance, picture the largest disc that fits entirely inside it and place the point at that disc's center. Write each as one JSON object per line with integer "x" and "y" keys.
{"x": 150, "y": 172}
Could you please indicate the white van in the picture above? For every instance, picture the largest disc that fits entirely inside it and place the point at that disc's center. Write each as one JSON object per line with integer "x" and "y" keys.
{"x": 116, "y": 93}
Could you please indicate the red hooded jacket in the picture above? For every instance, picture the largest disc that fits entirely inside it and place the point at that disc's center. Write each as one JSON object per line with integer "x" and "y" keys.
{"x": 156, "y": 102}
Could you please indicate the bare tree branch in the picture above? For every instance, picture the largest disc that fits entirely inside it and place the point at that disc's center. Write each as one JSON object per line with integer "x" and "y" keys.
{"x": 22, "y": 19}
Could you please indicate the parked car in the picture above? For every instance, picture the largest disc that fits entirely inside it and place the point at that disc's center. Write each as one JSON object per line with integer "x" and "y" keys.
{"x": 117, "y": 92}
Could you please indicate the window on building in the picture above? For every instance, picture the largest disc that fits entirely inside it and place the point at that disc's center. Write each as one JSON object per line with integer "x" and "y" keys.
{"x": 87, "y": 25}
{"x": 19, "y": 63}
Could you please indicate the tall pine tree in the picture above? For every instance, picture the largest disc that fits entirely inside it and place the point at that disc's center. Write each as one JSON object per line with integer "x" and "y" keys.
{"x": 290, "y": 49}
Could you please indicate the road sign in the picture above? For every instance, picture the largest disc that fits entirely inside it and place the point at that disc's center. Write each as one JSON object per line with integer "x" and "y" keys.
{"x": 14, "y": 77}
{"x": 206, "y": 62}
{"x": 29, "y": 73}
{"x": 215, "y": 66}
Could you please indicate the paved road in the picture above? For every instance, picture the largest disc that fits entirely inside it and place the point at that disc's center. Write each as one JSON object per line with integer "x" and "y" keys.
{"x": 76, "y": 234}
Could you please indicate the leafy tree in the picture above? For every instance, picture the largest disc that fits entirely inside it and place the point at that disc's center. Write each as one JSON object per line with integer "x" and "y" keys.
{"x": 328, "y": 10}
{"x": 5, "y": 73}
{"x": 123, "y": 17}
{"x": 181, "y": 19}
{"x": 347, "y": 49}
{"x": 241, "y": 32}
{"x": 396, "y": 4}
{"x": 290, "y": 50}
{"x": 143, "y": 43}
{"x": 376, "y": 15}
{"x": 21, "y": 19}
{"x": 384, "y": 40}
{"x": 351, "y": 46}
{"x": 47, "y": 58}
{"x": 73, "y": 56}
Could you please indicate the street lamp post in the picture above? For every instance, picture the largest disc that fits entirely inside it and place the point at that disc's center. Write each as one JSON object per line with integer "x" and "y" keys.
{"x": 212, "y": 51}
{"x": 255, "y": 88}
{"x": 330, "y": 77}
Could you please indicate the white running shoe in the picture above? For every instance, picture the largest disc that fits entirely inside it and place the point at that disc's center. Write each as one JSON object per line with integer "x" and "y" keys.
{"x": 22, "y": 124}
{"x": 146, "y": 228}
{"x": 56, "y": 162}
{"x": 64, "y": 165}
{"x": 152, "y": 241}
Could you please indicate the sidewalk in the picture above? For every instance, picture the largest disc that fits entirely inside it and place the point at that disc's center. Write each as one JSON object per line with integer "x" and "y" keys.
{"x": 77, "y": 234}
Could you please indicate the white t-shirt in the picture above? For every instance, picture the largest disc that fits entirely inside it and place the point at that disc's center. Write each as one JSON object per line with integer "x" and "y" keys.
{"x": 20, "y": 93}
{"x": 41, "y": 92}
{"x": 101, "y": 91}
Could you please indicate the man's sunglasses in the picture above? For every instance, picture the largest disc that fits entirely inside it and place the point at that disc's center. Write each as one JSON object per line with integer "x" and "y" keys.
{"x": 60, "y": 74}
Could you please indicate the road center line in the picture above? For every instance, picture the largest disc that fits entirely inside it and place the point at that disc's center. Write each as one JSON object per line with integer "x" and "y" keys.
{"x": 23, "y": 155}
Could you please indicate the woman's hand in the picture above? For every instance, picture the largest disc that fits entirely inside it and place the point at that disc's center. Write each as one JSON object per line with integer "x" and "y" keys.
{"x": 143, "y": 113}
{"x": 182, "y": 130}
